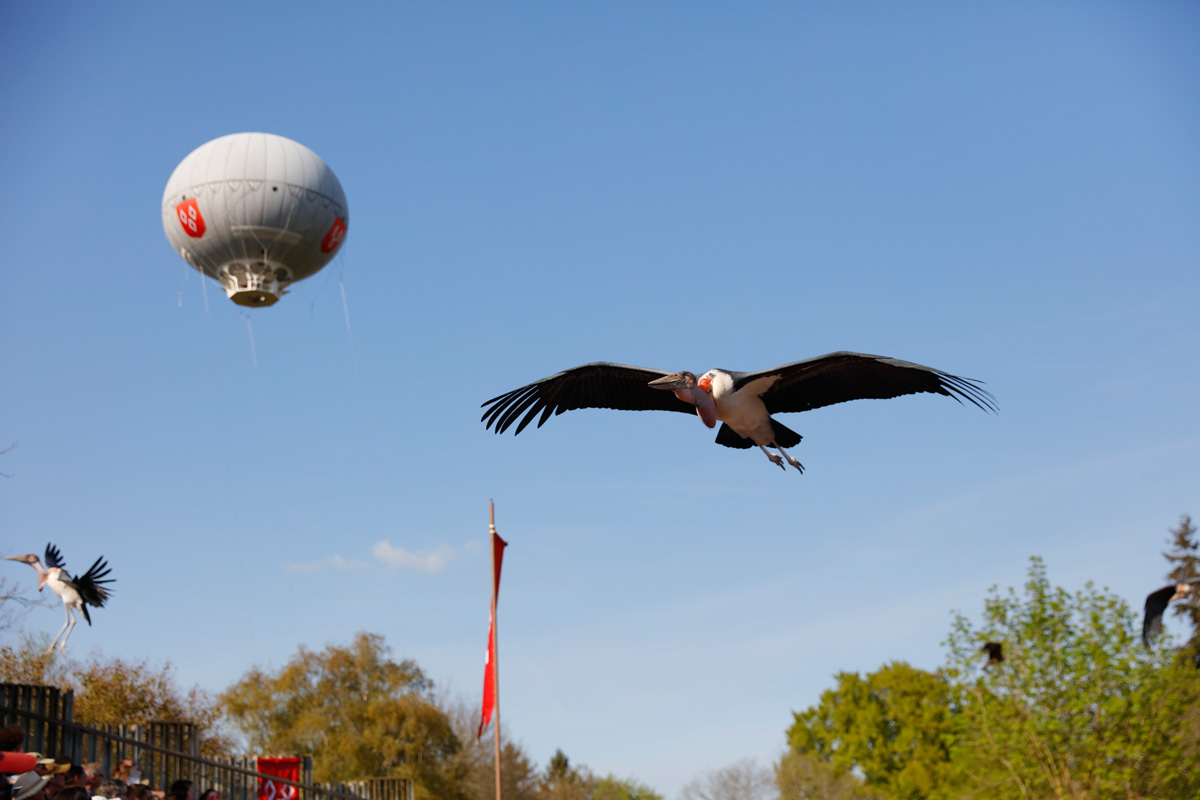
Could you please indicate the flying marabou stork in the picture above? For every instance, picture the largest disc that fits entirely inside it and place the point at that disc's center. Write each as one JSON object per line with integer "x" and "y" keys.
{"x": 76, "y": 593}
{"x": 742, "y": 401}
{"x": 1157, "y": 602}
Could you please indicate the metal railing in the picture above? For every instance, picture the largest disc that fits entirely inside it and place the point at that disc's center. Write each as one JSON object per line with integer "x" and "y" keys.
{"x": 164, "y": 751}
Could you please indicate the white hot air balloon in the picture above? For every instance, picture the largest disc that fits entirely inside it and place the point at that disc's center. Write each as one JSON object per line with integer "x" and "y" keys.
{"x": 256, "y": 212}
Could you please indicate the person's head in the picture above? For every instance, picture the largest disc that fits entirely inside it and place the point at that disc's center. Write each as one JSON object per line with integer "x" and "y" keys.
{"x": 95, "y": 775}
{"x": 12, "y": 738}
{"x": 74, "y": 793}
{"x": 45, "y": 765}
{"x": 54, "y": 785}
{"x": 112, "y": 788}
{"x": 74, "y": 776}
{"x": 210, "y": 794}
{"x": 138, "y": 791}
{"x": 182, "y": 789}
{"x": 29, "y": 786}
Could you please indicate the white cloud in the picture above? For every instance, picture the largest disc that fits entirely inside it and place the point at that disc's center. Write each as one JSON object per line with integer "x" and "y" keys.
{"x": 399, "y": 558}
{"x": 334, "y": 562}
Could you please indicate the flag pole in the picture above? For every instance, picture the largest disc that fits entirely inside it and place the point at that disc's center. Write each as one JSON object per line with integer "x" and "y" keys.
{"x": 495, "y": 650}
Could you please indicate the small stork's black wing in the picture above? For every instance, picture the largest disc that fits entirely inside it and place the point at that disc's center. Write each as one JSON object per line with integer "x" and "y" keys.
{"x": 1156, "y": 603}
{"x": 596, "y": 385}
{"x": 91, "y": 586}
{"x": 838, "y": 377}
{"x": 54, "y": 558}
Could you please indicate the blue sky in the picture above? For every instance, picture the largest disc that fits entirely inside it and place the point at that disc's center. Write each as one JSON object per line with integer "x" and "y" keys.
{"x": 1009, "y": 192}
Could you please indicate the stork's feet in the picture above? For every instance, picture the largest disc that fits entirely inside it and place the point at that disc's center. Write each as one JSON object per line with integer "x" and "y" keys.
{"x": 778, "y": 461}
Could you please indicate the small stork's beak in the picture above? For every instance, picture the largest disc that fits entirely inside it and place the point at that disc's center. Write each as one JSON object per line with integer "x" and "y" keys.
{"x": 22, "y": 559}
{"x": 679, "y": 380}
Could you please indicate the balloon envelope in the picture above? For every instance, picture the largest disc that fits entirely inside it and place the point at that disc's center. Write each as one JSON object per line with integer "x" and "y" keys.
{"x": 255, "y": 211}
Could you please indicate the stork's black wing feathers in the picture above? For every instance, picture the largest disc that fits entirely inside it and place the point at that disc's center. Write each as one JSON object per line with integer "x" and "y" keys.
{"x": 838, "y": 377}
{"x": 1156, "y": 603}
{"x": 600, "y": 384}
{"x": 784, "y": 437}
{"x": 54, "y": 558}
{"x": 91, "y": 586}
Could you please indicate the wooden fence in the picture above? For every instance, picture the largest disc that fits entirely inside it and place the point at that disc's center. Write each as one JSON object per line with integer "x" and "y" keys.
{"x": 164, "y": 752}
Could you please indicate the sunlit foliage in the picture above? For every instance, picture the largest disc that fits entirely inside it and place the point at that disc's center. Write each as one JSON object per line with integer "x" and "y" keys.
{"x": 358, "y": 712}
{"x": 1078, "y": 709}
{"x": 895, "y": 727}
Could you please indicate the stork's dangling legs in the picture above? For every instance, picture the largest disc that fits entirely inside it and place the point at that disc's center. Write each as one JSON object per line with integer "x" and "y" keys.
{"x": 790, "y": 459}
{"x": 67, "y": 626}
{"x": 778, "y": 460}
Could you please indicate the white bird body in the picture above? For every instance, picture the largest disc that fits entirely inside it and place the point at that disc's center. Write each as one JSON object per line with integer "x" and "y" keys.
{"x": 744, "y": 410}
{"x": 65, "y": 590}
{"x": 76, "y": 593}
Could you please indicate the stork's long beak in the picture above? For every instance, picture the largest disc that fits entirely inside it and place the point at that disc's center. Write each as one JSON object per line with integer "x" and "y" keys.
{"x": 22, "y": 559}
{"x": 679, "y": 380}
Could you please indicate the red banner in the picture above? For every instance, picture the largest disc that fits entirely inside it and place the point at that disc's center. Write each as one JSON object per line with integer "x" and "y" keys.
{"x": 287, "y": 768}
{"x": 489, "y": 670}
{"x": 190, "y": 218}
{"x": 334, "y": 237}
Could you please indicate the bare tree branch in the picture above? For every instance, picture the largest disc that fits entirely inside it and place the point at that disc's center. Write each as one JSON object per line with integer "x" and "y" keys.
{"x": 2, "y": 452}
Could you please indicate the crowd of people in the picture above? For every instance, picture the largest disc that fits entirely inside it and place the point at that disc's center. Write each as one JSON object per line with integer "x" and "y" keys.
{"x": 33, "y": 776}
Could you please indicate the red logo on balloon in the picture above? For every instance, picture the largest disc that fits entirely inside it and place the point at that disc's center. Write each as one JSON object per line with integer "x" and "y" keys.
{"x": 334, "y": 237}
{"x": 189, "y": 217}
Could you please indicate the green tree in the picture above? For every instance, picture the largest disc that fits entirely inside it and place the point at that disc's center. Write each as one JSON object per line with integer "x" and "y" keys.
{"x": 896, "y": 727}
{"x": 357, "y": 712}
{"x": 804, "y": 776}
{"x": 113, "y": 691}
{"x": 611, "y": 787}
{"x": 561, "y": 781}
{"x": 28, "y": 663}
{"x": 472, "y": 769}
{"x": 119, "y": 692}
{"x": 1078, "y": 709}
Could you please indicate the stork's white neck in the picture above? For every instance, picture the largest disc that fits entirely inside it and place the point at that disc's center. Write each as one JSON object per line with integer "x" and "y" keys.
{"x": 721, "y": 383}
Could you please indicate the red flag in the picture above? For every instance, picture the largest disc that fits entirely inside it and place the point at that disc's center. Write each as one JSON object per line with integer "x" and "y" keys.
{"x": 489, "y": 670}
{"x": 288, "y": 768}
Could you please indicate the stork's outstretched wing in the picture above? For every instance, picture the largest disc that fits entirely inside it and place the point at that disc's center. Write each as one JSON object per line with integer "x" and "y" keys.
{"x": 1156, "y": 603}
{"x": 597, "y": 385}
{"x": 838, "y": 377}
{"x": 54, "y": 558}
{"x": 90, "y": 585}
